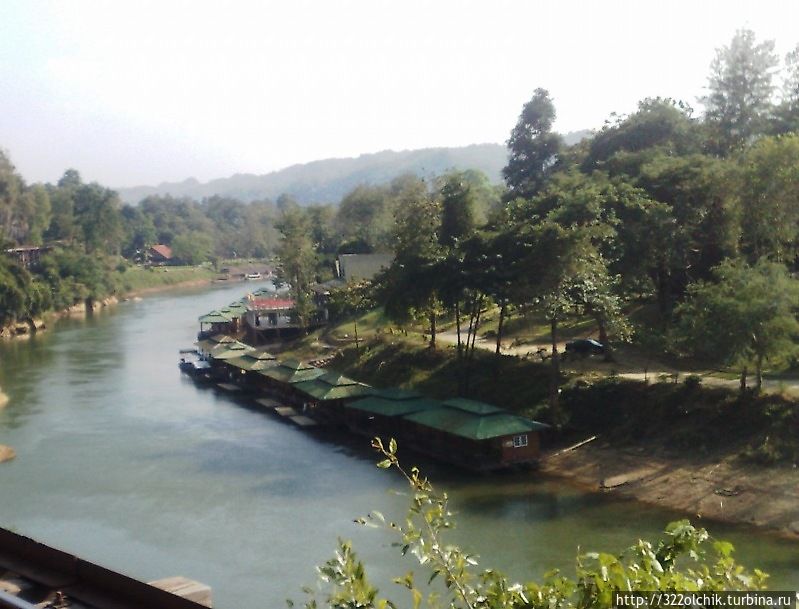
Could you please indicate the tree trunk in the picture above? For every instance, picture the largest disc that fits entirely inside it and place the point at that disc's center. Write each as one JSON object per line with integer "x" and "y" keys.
{"x": 743, "y": 379}
{"x": 473, "y": 326}
{"x": 476, "y": 326}
{"x": 603, "y": 336}
{"x": 759, "y": 373}
{"x": 502, "y": 309}
{"x": 554, "y": 381}
{"x": 662, "y": 282}
{"x": 433, "y": 330}
{"x": 458, "y": 327}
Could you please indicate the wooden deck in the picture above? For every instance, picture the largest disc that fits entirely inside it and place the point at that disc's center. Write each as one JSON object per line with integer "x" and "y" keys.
{"x": 304, "y": 421}
{"x": 229, "y": 387}
{"x": 268, "y": 403}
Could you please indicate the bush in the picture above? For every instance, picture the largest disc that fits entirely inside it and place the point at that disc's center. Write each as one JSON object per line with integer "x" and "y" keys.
{"x": 679, "y": 561}
{"x": 692, "y": 381}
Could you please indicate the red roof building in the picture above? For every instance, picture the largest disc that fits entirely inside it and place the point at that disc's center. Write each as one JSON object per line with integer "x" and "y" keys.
{"x": 159, "y": 253}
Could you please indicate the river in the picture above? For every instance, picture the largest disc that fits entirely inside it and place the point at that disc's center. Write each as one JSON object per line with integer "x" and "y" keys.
{"x": 124, "y": 461}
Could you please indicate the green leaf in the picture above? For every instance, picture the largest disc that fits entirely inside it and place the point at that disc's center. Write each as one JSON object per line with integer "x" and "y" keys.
{"x": 384, "y": 464}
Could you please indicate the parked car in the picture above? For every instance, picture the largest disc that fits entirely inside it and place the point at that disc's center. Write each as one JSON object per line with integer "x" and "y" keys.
{"x": 585, "y": 347}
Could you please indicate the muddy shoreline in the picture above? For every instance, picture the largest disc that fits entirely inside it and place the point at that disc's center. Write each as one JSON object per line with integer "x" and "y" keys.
{"x": 718, "y": 488}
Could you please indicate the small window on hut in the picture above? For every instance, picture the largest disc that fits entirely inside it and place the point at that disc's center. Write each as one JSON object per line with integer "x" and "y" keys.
{"x": 519, "y": 441}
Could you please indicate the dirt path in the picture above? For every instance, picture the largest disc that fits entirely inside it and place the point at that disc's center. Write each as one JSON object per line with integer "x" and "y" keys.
{"x": 624, "y": 369}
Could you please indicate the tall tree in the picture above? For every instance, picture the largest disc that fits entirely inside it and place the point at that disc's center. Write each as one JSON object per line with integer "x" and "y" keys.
{"x": 747, "y": 313}
{"x": 297, "y": 257}
{"x": 768, "y": 194}
{"x": 786, "y": 115}
{"x": 659, "y": 126}
{"x": 364, "y": 219}
{"x": 740, "y": 90}
{"x": 457, "y": 209}
{"x": 533, "y": 147}
{"x": 97, "y": 214}
{"x": 412, "y": 284}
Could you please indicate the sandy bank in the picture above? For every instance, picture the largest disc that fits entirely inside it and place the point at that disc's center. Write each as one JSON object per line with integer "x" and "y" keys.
{"x": 192, "y": 283}
{"x": 716, "y": 488}
{"x": 6, "y": 453}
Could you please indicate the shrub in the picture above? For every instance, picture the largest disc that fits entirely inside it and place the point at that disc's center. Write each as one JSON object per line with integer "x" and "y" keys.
{"x": 679, "y": 561}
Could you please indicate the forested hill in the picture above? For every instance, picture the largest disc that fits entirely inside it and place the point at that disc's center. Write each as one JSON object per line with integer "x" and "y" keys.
{"x": 328, "y": 180}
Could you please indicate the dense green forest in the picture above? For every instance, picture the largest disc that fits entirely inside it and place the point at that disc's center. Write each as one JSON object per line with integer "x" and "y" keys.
{"x": 696, "y": 214}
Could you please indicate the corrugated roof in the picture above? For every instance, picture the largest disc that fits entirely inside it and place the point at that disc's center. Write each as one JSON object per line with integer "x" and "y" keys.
{"x": 212, "y": 341}
{"x": 337, "y": 380}
{"x": 163, "y": 250}
{"x": 214, "y": 317}
{"x": 395, "y": 393}
{"x": 255, "y": 360}
{"x": 296, "y": 364}
{"x": 323, "y": 391}
{"x": 394, "y": 408}
{"x": 230, "y": 350}
{"x": 237, "y": 306}
{"x": 270, "y": 304}
{"x": 473, "y": 406}
{"x": 289, "y": 374}
{"x": 473, "y": 426}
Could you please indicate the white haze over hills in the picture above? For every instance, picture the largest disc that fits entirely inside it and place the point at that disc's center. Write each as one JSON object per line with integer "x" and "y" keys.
{"x": 328, "y": 180}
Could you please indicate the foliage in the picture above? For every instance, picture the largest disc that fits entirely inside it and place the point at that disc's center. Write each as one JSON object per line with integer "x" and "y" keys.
{"x": 297, "y": 257}
{"x": 192, "y": 248}
{"x": 740, "y": 89}
{"x": 533, "y": 148}
{"x": 769, "y": 199}
{"x": 680, "y": 561}
{"x": 748, "y": 312}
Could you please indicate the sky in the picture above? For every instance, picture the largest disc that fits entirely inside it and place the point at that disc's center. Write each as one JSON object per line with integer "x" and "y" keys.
{"x": 133, "y": 92}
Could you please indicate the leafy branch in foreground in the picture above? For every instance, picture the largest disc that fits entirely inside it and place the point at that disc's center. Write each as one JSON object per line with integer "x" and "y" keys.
{"x": 677, "y": 562}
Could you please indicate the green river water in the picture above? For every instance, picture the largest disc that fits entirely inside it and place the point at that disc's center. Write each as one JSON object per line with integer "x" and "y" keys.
{"x": 124, "y": 461}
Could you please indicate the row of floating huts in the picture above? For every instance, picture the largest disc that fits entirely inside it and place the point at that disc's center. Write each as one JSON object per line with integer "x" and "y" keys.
{"x": 467, "y": 433}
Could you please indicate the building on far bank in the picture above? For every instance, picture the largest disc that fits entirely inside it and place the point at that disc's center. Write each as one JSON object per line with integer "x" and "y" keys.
{"x": 29, "y": 256}
{"x": 354, "y": 268}
{"x": 160, "y": 254}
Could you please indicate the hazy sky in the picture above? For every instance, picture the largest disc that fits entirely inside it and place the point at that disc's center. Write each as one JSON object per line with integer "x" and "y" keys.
{"x": 137, "y": 92}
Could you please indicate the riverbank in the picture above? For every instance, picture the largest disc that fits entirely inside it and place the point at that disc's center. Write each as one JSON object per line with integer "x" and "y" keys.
{"x": 705, "y": 451}
{"x": 717, "y": 488}
{"x": 159, "y": 282}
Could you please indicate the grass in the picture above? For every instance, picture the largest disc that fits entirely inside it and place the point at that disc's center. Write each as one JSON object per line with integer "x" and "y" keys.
{"x": 512, "y": 383}
{"x": 140, "y": 278}
{"x": 684, "y": 418}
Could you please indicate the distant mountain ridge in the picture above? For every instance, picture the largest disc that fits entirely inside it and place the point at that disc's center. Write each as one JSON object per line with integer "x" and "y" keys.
{"x": 328, "y": 180}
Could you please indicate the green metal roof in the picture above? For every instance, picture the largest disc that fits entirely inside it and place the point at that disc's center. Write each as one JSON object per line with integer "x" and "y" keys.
{"x": 472, "y": 426}
{"x": 230, "y": 350}
{"x": 237, "y": 306}
{"x": 287, "y": 373}
{"x": 254, "y": 360}
{"x": 323, "y": 391}
{"x": 473, "y": 406}
{"x": 334, "y": 386}
{"x": 393, "y": 408}
{"x": 396, "y": 394}
{"x": 337, "y": 380}
{"x": 296, "y": 364}
{"x": 214, "y": 317}
{"x": 213, "y": 341}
